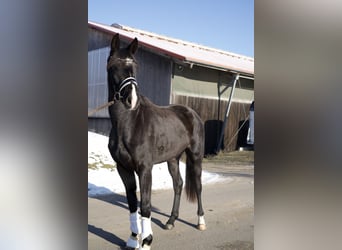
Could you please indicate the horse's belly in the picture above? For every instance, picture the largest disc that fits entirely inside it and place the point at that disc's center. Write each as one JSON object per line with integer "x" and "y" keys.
{"x": 167, "y": 149}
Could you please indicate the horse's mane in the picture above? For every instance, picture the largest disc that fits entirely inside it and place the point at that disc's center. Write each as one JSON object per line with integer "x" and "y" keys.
{"x": 147, "y": 102}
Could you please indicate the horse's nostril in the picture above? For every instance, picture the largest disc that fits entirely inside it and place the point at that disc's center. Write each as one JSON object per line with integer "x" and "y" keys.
{"x": 129, "y": 100}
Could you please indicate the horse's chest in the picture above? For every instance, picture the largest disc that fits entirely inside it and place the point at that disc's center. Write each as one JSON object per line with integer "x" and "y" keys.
{"x": 120, "y": 153}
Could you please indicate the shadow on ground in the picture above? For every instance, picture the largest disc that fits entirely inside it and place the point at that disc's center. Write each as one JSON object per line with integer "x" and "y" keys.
{"x": 112, "y": 238}
{"x": 121, "y": 201}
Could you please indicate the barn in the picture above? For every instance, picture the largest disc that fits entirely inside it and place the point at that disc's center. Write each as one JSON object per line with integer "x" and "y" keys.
{"x": 218, "y": 85}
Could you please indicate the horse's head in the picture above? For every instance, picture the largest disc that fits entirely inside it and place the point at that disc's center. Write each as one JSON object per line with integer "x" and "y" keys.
{"x": 121, "y": 69}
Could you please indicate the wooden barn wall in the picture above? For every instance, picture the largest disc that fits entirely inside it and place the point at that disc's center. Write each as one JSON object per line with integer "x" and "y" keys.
{"x": 97, "y": 39}
{"x": 208, "y": 111}
{"x": 153, "y": 76}
{"x": 99, "y": 125}
{"x": 97, "y": 81}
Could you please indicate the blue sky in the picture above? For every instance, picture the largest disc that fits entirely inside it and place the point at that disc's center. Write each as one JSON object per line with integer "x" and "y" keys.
{"x": 221, "y": 24}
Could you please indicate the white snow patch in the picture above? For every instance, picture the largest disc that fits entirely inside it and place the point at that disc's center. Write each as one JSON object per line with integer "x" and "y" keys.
{"x": 98, "y": 149}
{"x": 105, "y": 181}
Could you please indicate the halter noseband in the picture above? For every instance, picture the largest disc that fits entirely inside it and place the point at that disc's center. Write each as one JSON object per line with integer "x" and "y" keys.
{"x": 127, "y": 81}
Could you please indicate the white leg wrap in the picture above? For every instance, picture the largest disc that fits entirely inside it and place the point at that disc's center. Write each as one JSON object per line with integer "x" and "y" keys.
{"x": 201, "y": 220}
{"x": 201, "y": 223}
{"x": 135, "y": 222}
{"x": 146, "y": 227}
{"x": 133, "y": 242}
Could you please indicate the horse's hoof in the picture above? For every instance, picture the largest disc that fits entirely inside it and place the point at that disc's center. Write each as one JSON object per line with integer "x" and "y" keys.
{"x": 201, "y": 227}
{"x": 146, "y": 243}
{"x": 169, "y": 226}
{"x": 130, "y": 248}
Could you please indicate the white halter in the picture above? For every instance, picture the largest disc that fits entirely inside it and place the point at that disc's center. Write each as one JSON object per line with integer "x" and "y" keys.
{"x": 126, "y": 82}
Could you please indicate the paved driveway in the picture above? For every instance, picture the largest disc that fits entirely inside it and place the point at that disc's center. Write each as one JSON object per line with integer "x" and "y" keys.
{"x": 229, "y": 214}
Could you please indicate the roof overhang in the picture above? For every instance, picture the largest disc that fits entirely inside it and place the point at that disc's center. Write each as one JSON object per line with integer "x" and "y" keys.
{"x": 184, "y": 52}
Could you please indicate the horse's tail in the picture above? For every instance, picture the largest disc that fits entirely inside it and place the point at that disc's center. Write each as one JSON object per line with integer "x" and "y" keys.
{"x": 190, "y": 178}
{"x": 194, "y": 157}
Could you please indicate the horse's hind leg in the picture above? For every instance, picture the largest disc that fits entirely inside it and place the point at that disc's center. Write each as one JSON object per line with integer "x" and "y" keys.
{"x": 198, "y": 173}
{"x": 173, "y": 166}
{"x": 194, "y": 183}
{"x": 128, "y": 179}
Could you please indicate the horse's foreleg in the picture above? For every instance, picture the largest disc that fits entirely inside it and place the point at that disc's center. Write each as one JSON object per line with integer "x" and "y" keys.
{"x": 145, "y": 179}
{"x": 173, "y": 166}
{"x": 128, "y": 179}
{"x": 135, "y": 226}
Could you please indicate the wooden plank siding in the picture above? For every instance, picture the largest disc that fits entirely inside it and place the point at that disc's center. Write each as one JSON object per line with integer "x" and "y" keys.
{"x": 208, "y": 111}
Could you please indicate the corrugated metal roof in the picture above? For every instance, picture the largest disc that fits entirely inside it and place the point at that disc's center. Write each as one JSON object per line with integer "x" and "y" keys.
{"x": 184, "y": 51}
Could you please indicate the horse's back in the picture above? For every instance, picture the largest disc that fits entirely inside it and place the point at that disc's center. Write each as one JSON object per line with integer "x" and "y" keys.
{"x": 186, "y": 115}
{"x": 176, "y": 125}
{"x": 194, "y": 126}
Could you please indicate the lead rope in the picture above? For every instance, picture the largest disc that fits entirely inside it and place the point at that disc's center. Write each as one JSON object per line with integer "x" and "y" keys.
{"x": 101, "y": 107}
{"x": 123, "y": 84}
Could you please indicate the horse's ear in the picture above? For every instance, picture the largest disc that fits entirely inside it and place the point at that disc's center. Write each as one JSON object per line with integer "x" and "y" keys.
{"x": 133, "y": 46}
{"x": 115, "y": 44}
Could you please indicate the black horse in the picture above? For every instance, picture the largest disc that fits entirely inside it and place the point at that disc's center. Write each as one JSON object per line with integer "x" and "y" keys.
{"x": 144, "y": 134}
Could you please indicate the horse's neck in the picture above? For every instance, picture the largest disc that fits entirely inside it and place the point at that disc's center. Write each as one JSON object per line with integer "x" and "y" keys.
{"x": 121, "y": 115}
{"x": 118, "y": 112}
